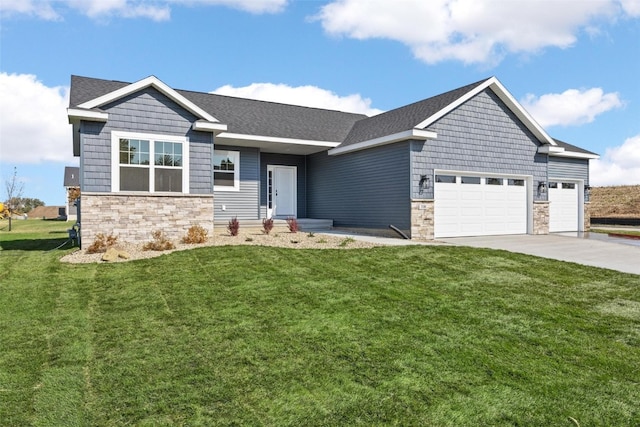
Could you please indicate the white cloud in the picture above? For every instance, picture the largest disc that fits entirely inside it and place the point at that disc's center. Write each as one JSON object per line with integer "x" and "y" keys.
{"x": 470, "y": 31}
{"x": 34, "y": 126}
{"x": 309, "y": 96}
{"x": 100, "y": 9}
{"x": 571, "y": 107}
{"x": 619, "y": 165}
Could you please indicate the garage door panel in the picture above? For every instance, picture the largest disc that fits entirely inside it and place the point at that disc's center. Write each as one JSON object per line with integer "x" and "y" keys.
{"x": 480, "y": 209}
{"x": 563, "y": 207}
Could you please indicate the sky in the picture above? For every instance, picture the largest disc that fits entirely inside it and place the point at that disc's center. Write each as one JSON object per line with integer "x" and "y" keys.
{"x": 573, "y": 64}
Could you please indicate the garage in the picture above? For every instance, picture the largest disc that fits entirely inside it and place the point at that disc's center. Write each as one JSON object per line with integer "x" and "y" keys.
{"x": 477, "y": 205}
{"x": 563, "y": 206}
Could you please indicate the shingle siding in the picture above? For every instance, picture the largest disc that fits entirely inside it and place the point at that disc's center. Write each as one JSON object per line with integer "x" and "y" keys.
{"x": 301, "y": 186}
{"x": 147, "y": 111}
{"x": 481, "y": 135}
{"x": 368, "y": 189}
{"x": 560, "y": 167}
{"x": 242, "y": 204}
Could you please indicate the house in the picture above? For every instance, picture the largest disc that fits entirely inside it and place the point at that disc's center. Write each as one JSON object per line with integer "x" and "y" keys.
{"x": 71, "y": 182}
{"x": 467, "y": 162}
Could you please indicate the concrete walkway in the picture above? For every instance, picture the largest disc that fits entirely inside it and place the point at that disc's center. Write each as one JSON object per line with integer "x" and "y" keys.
{"x": 614, "y": 255}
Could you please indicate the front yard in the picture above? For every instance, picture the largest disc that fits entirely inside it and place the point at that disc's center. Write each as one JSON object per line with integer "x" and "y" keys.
{"x": 249, "y": 335}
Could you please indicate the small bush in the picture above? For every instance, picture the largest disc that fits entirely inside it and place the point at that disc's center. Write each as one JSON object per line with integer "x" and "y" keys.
{"x": 195, "y": 234}
{"x": 311, "y": 235}
{"x": 159, "y": 242}
{"x": 267, "y": 225}
{"x": 292, "y": 223}
{"x": 102, "y": 243}
{"x": 249, "y": 239}
{"x": 345, "y": 242}
{"x": 234, "y": 226}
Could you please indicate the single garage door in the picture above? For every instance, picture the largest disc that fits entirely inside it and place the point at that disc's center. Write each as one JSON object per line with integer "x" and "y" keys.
{"x": 468, "y": 205}
{"x": 563, "y": 206}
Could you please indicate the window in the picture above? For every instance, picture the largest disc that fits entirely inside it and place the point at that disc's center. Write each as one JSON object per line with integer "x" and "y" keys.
{"x": 516, "y": 182}
{"x": 553, "y": 185}
{"x": 133, "y": 168}
{"x": 226, "y": 170}
{"x": 568, "y": 185}
{"x": 494, "y": 181}
{"x": 449, "y": 179}
{"x": 471, "y": 180}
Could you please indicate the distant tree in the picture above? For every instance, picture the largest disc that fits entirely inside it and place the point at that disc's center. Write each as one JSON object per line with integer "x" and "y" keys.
{"x": 28, "y": 204}
{"x": 14, "y": 193}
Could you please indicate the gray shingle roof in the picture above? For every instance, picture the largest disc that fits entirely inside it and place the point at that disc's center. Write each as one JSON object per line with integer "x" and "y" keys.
{"x": 404, "y": 118}
{"x": 572, "y": 148}
{"x": 244, "y": 116}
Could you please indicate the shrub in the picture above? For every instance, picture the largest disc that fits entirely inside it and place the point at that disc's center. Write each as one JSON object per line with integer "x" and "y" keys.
{"x": 234, "y": 226}
{"x": 195, "y": 234}
{"x": 102, "y": 243}
{"x": 345, "y": 242}
{"x": 159, "y": 242}
{"x": 267, "y": 225}
{"x": 311, "y": 235}
{"x": 292, "y": 223}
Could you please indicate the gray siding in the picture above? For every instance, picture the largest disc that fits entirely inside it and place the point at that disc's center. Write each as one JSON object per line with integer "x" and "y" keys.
{"x": 560, "y": 167}
{"x": 481, "y": 135}
{"x": 147, "y": 111}
{"x": 242, "y": 204}
{"x": 368, "y": 188}
{"x": 301, "y": 182}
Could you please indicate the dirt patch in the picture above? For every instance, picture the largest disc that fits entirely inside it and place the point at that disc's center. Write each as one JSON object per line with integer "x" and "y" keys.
{"x": 615, "y": 202}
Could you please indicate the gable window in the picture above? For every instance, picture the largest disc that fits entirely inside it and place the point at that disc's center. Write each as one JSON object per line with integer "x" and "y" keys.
{"x": 149, "y": 163}
{"x": 226, "y": 170}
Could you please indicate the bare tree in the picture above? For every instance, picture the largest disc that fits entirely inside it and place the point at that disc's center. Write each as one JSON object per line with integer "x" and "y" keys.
{"x": 14, "y": 192}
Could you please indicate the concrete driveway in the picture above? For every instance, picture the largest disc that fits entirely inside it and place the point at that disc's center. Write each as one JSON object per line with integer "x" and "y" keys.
{"x": 593, "y": 252}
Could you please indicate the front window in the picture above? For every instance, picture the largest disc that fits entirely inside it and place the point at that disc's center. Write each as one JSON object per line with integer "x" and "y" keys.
{"x": 226, "y": 170}
{"x": 149, "y": 163}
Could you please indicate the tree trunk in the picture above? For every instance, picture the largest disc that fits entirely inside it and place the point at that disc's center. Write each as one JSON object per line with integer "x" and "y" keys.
{"x": 9, "y": 221}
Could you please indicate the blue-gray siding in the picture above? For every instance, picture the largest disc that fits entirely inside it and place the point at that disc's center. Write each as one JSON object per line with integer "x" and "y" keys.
{"x": 561, "y": 167}
{"x": 242, "y": 204}
{"x": 301, "y": 183}
{"x": 481, "y": 135}
{"x": 368, "y": 188}
{"x": 147, "y": 111}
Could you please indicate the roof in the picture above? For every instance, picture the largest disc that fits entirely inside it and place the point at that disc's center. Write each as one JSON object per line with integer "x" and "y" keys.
{"x": 242, "y": 120}
{"x": 71, "y": 176}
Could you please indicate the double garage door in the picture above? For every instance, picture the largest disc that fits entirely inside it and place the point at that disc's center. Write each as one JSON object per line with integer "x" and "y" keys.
{"x": 469, "y": 205}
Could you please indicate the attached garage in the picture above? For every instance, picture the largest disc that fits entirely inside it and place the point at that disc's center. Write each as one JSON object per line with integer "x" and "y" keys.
{"x": 564, "y": 214}
{"x": 467, "y": 204}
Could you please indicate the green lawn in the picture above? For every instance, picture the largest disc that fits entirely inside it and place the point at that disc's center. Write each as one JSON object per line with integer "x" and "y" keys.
{"x": 627, "y": 231}
{"x": 429, "y": 336}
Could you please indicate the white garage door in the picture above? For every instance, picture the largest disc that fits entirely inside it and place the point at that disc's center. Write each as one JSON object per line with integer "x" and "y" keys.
{"x": 563, "y": 206}
{"x": 467, "y": 205}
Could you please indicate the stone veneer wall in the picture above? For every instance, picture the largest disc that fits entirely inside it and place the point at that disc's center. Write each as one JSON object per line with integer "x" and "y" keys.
{"x": 587, "y": 216}
{"x": 132, "y": 218}
{"x": 541, "y": 217}
{"x": 422, "y": 224}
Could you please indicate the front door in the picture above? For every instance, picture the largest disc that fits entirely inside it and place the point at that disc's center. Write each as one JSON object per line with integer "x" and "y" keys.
{"x": 281, "y": 191}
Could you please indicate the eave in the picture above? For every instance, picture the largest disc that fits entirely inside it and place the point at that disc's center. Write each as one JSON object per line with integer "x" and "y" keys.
{"x": 411, "y": 134}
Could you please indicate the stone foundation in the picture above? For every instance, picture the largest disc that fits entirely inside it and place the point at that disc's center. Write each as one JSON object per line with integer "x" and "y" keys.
{"x": 541, "y": 217}
{"x": 132, "y": 218}
{"x": 422, "y": 224}
{"x": 587, "y": 216}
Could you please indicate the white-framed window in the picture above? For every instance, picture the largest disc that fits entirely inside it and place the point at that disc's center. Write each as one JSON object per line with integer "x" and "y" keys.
{"x": 149, "y": 163}
{"x": 226, "y": 170}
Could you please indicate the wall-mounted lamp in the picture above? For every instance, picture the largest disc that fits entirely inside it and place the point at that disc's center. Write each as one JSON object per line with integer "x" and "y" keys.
{"x": 425, "y": 182}
{"x": 542, "y": 187}
{"x": 587, "y": 192}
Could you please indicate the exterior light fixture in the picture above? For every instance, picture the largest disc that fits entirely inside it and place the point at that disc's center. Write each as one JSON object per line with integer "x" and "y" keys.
{"x": 542, "y": 187}
{"x": 424, "y": 183}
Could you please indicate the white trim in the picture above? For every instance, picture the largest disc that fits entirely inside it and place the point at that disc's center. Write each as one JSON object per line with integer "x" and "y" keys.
{"x": 506, "y": 97}
{"x": 548, "y": 149}
{"x": 152, "y": 81}
{"x": 205, "y": 126}
{"x": 575, "y": 155}
{"x": 77, "y": 114}
{"x": 151, "y": 137}
{"x": 293, "y": 141}
{"x": 419, "y": 134}
{"x": 235, "y": 156}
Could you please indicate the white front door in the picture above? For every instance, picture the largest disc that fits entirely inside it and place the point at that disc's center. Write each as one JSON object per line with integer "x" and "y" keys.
{"x": 563, "y": 206}
{"x": 281, "y": 191}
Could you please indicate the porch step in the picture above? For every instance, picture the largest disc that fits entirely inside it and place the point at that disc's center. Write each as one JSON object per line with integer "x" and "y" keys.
{"x": 305, "y": 224}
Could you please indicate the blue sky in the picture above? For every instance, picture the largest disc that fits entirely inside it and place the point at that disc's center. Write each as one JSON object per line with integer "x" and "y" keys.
{"x": 573, "y": 64}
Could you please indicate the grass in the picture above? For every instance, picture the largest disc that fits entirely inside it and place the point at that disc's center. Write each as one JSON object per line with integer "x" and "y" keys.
{"x": 618, "y": 231}
{"x": 430, "y": 336}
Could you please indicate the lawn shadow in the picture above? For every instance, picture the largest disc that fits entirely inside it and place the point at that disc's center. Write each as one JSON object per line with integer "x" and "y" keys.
{"x": 37, "y": 244}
